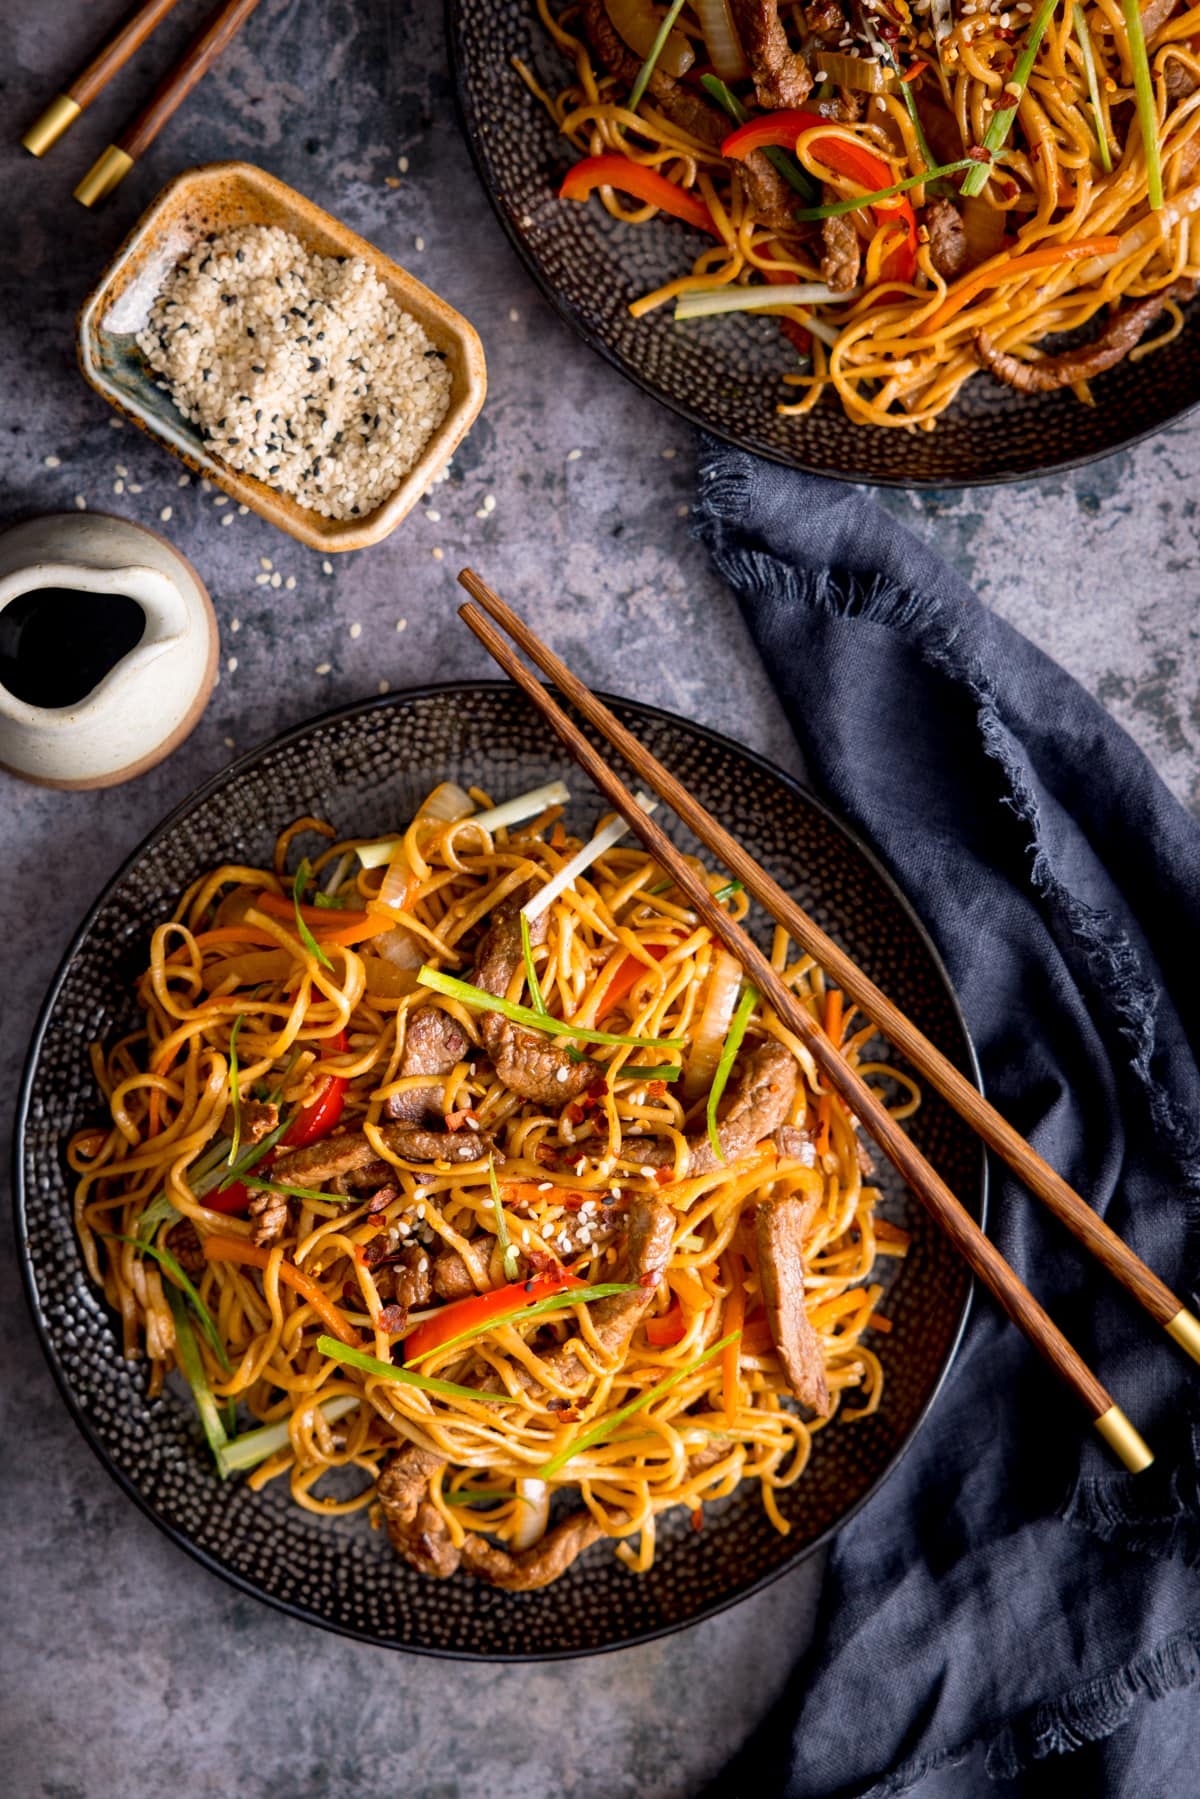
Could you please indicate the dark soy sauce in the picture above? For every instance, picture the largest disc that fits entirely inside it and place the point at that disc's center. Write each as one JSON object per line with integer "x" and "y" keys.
{"x": 56, "y": 643}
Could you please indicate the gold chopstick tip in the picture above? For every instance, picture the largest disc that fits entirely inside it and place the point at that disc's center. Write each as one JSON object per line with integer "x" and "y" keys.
{"x": 61, "y": 113}
{"x": 105, "y": 174}
{"x": 1124, "y": 1440}
{"x": 1185, "y": 1328}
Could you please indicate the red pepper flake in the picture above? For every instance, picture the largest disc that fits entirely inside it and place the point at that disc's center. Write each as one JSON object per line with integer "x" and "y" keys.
{"x": 658, "y": 1089}
{"x": 456, "y": 1120}
{"x": 977, "y": 153}
{"x": 379, "y": 1201}
{"x": 664, "y": 1176}
{"x": 394, "y": 1320}
{"x": 363, "y": 1257}
{"x": 698, "y": 1518}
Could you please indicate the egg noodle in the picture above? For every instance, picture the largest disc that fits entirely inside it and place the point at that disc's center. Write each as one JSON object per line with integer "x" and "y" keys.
{"x": 1054, "y": 211}
{"x": 258, "y": 1011}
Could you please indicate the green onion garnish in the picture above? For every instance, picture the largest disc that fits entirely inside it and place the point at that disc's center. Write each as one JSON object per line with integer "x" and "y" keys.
{"x": 159, "y": 1211}
{"x": 659, "y": 887}
{"x": 303, "y": 877}
{"x": 331, "y": 902}
{"x": 780, "y": 161}
{"x": 253, "y": 1156}
{"x": 284, "y": 1187}
{"x": 188, "y": 1355}
{"x": 255, "y": 1446}
{"x": 833, "y": 208}
{"x": 1144, "y": 90}
{"x": 531, "y": 980}
{"x": 656, "y": 49}
{"x": 166, "y": 1260}
{"x": 670, "y": 1071}
{"x": 729, "y": 1050}
{"x": 234, "y": 1093}
{"x": 1093, "y": 84}
{"x": 555, "y": 1302}
{"x": 509, "y": 1253}
{"x": 407, "y": 1377}
{"x": 1001, "y": 125}
{"x": 597, "y": 1434}
{"x": 554, "y": 1027}
{"x": 730, "y": 887}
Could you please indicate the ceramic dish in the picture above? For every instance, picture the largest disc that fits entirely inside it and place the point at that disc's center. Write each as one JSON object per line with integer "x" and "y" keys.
{"x": 215, "y": 198}
{"x": 724, "y": 373}
{"x": 366, "y": 767}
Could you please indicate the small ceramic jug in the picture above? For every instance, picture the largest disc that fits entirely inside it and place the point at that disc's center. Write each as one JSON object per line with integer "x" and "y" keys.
{"x": 153, "y": 694}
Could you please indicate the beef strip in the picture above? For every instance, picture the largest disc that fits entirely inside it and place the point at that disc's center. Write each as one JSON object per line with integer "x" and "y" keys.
{"x": 780, "y": 1227}
{"x": 1120, "y": 334}
{"x": 412, "y": 1283}
{"x": 1179, "y": 80}
{"x": 269, "y": 1212}
{"x": 527, "y": 1569}
{"x": 647, "y": 1252}
{"x": 758, "y": 1100}
{"x": 183, "y": 1241}
{"x": 373, "y": 1174}
{"x": 841, "y": 257}
{"x": 451, "y": 1276}
{"x": 433, "y": 1043}
{"x": 259, "y": 1118}
{"x": 338, "y": 1158}
{"x": 767, "y": 194}
{"x": 947, "y": 238}
{"x": 530, "y": 1065}
{"x": 414, "y": 1526}
{"x": 781, "y": 76}
{"x": 1155, "y": 14}
{"x": 416, "y": 1144}
{"x": 826, "y": 21}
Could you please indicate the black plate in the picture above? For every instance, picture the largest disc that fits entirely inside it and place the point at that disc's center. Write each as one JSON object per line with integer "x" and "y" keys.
{"x": 367, "y": 767}
{"x": 724, "y": 374}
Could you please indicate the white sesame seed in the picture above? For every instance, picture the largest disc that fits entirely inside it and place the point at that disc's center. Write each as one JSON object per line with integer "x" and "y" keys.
{"x": 513, "y": 315}
{"x": 545, "y": 1186}
{"x": 437, "y": 554}
{"x": 220, "y": 499}
{"x": 276, "y": 579}
{"x": 115, "y": 424}
{"x": 235, "y": 624}
{"x": 184, "y": 481}
{"x": 434, "y": 517}
{"x": 327, "y": 567}
{"x": 242, "y": 511}
{"x": 231, "y": 664}
{"x": 356, "y": 630}
{"x": 562, "y": 1076}
{"x": 52, "y": 461}
{"x": 646, "y": 1173}
{"x": 290, "y": 583}
{"x": 574, "y": 455}
{"x": 165, "y": 515}
{"x": 385, "y": 687}
{"x": 669, "y": 455}
{"x": 135, "y": 487}
{"x": 682, "y": 511}
{"x": 402, "y": 625}
{"x": 80, "y": 502}
{"x": 489, "y": 502}
{"x": 820, "y": 75}
{"x": 229, "y": 743}
{"x": 418, "y": 243}
{"x": 120, "y": 469}
{"x": 262, "y": 580}
{"x": 265, "y": 562}
{"x": 402, "y": 165}
{"x": 323, "y": 668}
{"x": 481, "y": 512}
{"x": 118, "y": 487}
{"x": 227, "y": 518}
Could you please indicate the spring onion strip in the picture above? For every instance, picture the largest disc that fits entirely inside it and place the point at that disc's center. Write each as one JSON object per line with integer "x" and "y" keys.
{"x": 159, "y": 1211}
{"x": 597, "y": 1434}
{"x": 1093, "y": 84}
{"x": 235, "y": 1097}
{"x": 910, "y": 103}
{"x": 567, "y": 874}
{"x": 728, "y": 891}
{"x": 474, "y": 1495}
{"x": 331, "y": 902}
{"x": 780, "y": 161}
{"x": 1150, "y": 230}
{"x": 453, "y": 988}
{"x": 733, "y": 1042}
{"x": 531, "y": 980}
{"x": 187, "y": 1354}
{"x": 166, "y": 1260}
{"x": 656, "y": 49}
{"x": 250, "y": 1160}
{"x": 834, "y": 207}
{"x": 632, "y": 1071}
{"x": 1143, "y": 88}
{"x": 509, "y": 1254}
{"x": 255, "y": 1446}
{"x": 265, "y": 1186}
{"x": 997, "y": 132}
{"x": 554, "y": 1302}
{"x": 303, "y": 877}
{"x": 341, "y": 869}
{"x": 709, "y": 302}
{"x": 407, "y": 1377}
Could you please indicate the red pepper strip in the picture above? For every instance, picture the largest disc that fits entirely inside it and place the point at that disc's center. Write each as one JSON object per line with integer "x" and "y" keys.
{"x": 781, "y": 129}
{"x": 670, "y": 1328}
{"x": 483, "y": 1309}
{"x": 624, "y": 976}
{"x": 643, "y": 183}
{"x": 311, "y": 1123}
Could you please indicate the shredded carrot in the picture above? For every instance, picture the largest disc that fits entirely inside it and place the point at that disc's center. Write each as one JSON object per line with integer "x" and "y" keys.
{"x": 757, "y": 1339}
{"x": 834, "y": 1015}
{"x": 534, "y": 1193}
{"x": 279, "y": 906}
{"x": 735, "y": 1312}
{"x": 878, "y": 1322}
{"x": 838, "y": 1307}
{"x": 994, "y": 273}
{"x": 918, "y": 68}
{"x": 558, "y": 837}
{"x": 252, "y": 1255}
{"x": 691, "y": 1291}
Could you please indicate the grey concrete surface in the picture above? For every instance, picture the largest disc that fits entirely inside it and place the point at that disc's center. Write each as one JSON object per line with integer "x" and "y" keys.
{"x": 128, "y": 1670}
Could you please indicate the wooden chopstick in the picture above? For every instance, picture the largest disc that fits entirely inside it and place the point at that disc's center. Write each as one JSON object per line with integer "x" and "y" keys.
{"x": 977, "y": 1250}
{"x": 1049, "y": 1186}
{"x": 109, "y": 170}
{"x": 78, "y": 95}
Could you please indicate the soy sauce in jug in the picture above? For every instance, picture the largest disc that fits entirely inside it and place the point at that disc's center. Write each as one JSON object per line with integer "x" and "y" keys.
{"x": 57, "y": 644}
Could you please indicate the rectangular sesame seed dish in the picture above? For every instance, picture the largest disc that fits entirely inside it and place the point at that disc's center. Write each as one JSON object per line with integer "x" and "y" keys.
{"x": 281, "y": 356}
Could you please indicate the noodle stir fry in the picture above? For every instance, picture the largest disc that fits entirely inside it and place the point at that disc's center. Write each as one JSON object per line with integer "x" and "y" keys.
{"x": 915, "y": 191}
{"x": 467, "y": 1164}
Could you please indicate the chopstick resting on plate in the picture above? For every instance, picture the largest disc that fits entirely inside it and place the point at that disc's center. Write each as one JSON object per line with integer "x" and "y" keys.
{"x": 977, "y": 1250}
{"x": 110, "y": 169}
{"x": 66, "y": 107}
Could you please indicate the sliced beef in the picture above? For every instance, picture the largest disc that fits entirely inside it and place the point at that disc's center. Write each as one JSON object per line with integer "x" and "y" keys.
{"x": 269, "y": 1213}
{"x": 826, "y": 21}
{"x": 794, "y": 1141}
{"x": 781, "y": 76}
{"x": 947, "y": 238}
{"x": 841, "y": 255}
{"x": 767, "y": 193}
{"x": 1120, "y": 334}
{"x": 183, "y": 1241}
{"x": 412, "y": 1280}
{"x": 377, "y": 1173}
{"x": 415, "y": 1526}
{"x": 339, "y": 1158}
{"x": 647, "y": 1252}
{"x": 524, "y": 1570}
{"x": 415, "y": 1143}
{"x": 1179, "y": 80}
{"x": 780, "y": 1227}
{"x": 259, "y": 1118}
{"x": 533, "y": 1066}
{"x": 451, "y": 1276}
{"x": 760, "y": 1098}
{"x": 433, "y": 1043}
{"x": 332, "y": 1159}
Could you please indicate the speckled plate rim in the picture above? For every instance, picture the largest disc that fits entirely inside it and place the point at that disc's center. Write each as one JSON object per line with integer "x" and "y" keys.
{"x": 739, "y": 441}
{"x": 232, "y": 772}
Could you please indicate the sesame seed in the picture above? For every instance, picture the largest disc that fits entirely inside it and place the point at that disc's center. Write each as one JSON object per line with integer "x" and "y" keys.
{"x": 135, "y": 487}
{"x": 265, "y": 562}
{"x": 434, "y": 517}
{"x": 276, "y": 579}
{"x": 682, "y": 511}
{"x": 118, "y": 487}
{"x": 184, "y": 481}
{"x": 242, "y": 511}
{"x": 227, "y": 518}
{"x": 165, "y": 515}
{"x": 231, "y": 664}
{"x": 418, "y": 243}
{"x": 646, "y": 1173}
{"x": 402, "y": 624}
{"x": 385, "y": 687}
{"x": 437, "y": 554}
{"x": 52, "y": 461}
{"x": 669, "y": 455}
{"x": 323, "y": 668}
{"x": 574, "y": 455}
{"x": 119, "y": 468}
{"x": 327, "y": 568}
{"x": 235, "y": 624}
{"x": 262, "y": 580}
{"x": 115, "y": 424}
{"x": 80, "y": 502}
{"x": 290, "y": 583}
{"x": 562, "y": 1076}
{"x": 356, "y": 630}
{"x": 228, "y": 743}
{"x": 402, "y": 165}
{"x": 513, "y": 315}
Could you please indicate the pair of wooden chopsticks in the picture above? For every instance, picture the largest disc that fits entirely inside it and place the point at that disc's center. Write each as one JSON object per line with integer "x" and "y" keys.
{"x": 223, "y": 23}
{"x": 976, "y": 1249}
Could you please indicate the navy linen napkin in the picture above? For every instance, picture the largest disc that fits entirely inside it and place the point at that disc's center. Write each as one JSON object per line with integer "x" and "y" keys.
{"x": 1011, "y": 1595}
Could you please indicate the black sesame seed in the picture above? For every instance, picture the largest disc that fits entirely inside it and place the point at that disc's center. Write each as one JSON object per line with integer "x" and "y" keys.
{"x": 228, "y": 299}
{"x": 249, "y": 330}
{"x": 257, "y": 368}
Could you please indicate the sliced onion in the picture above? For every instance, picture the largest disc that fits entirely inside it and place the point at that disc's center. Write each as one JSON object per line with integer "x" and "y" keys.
{"x": 448, "y": 801}
{"x": 637, "y": 23}
{"x": 398, "y": 879}
{"x": 713, "y": 1028}
{"x": 856, "y": 73}
{"x": 400, "y": 947}
{"x": 532, "y": 1513}
{"x": 721, "y": 39}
